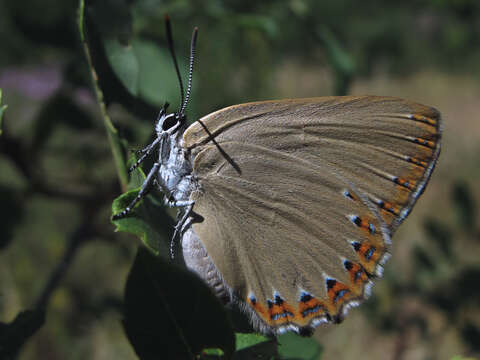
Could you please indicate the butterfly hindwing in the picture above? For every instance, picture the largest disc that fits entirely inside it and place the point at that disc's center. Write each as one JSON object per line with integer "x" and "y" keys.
{"x": 301, "y": 222}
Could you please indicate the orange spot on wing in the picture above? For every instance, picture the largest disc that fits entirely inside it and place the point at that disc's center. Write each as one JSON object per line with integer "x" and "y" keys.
{"x": 369, "y": 256}
{"x": 366, "y": 223}
{"x": 409, "y": 184}
{"x": 339, "y": 293}
{"x": 357, "y": 274}
{"x": 280, "y": 314}
{"x": 260, "y": 310}
{"x": 424, "y": 119}
{"x": 358, "y": 277}
{"x": 352, "y": 195}
{"x": 428, "y": 143}
{"x": 312, "y": 308}
{"x": 387, "y": 206}
{"x": 418, "y": 162}
{"x": 277, "y": 314}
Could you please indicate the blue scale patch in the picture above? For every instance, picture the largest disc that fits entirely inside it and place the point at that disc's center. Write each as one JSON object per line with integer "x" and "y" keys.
{"x": 312, "y": 310}
{"x": 356, "y": 220}
{"x": 347, "y": 194}
{"x": 358, "y": 274}
{"x": 370, "y": 252}
{"x": 281, "y": 315}
{"x": 371, "y": 228}
{"x": 340, "y": 294}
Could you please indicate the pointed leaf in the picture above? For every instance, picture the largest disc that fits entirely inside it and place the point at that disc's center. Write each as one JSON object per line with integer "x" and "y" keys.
{"x": 255, "y": 346}
{"x": 124, "y": 63}
{"x": 246, "y": 340}
{"x": 170, "y": 313}
{"x": 148, "y": 220}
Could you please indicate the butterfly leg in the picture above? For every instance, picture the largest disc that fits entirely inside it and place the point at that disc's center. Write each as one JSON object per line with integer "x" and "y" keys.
{"x": 179, "y": 203}
{"x": 145, "y": 152}
{"x": 187, "y": 207}
{"x": 183, "y": 222}
{"x": 141, "y": 194}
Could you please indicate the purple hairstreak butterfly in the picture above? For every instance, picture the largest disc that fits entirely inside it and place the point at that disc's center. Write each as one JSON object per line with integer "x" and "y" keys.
{"x": 287, "y": 207}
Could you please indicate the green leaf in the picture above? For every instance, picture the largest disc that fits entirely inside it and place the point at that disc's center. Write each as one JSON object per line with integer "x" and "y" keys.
{"x": 124, "y": 63}
{"x": 246, "y": 340}
{"x": 158, "y": 81}
{"x": 148, "y": 220}
{"x": 141, "y": 222}
{"x": 293, "y": 346}
{"x": 213, "y": 351}
{"x": 16, "y": 333}
{"x": 170, "y": 313}
{"x": 107, "y": 38}
{"x": 2, "y": 111}
{"x": 338, "y": 58}
{"x": 255, "y": 346}
{"x": 260, "y": 22}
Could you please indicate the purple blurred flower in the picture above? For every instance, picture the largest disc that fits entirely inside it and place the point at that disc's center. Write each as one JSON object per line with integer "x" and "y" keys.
{"x": 38, "y": 83}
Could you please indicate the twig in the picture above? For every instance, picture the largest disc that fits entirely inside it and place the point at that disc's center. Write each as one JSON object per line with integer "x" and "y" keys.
{"x": 77, "y": 238}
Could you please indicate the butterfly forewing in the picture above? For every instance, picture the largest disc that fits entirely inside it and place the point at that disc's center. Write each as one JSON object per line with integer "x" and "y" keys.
{"x": 303, "y": 219}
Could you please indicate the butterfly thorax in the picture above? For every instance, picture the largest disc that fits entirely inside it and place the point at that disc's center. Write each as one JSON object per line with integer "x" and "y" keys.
{"x": 175, "y": 172}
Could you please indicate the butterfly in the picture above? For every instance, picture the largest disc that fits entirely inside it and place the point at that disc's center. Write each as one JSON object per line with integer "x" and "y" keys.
{"x": 288, "y": 207}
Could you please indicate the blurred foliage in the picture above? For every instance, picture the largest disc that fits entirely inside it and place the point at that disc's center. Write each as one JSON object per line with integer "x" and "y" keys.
{"x": 2, "y": 111}
{"x": 443, "y": 276}
{"x": 58, "y": 178}
{"x": 14, "y": 335}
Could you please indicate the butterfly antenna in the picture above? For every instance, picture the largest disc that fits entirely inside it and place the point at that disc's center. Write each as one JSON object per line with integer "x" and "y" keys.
{"x": 193, "y": 47}
{"x": 168, "y": 27}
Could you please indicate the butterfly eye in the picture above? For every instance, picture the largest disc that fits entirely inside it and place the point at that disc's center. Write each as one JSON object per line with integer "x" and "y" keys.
{"x": 169, "y": 122}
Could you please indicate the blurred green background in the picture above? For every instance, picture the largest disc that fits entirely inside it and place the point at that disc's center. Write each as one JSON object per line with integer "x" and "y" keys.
{"x": 58, "y": 177}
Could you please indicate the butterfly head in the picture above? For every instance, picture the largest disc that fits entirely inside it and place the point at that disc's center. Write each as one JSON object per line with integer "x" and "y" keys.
{"x": 169, "y": 122}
